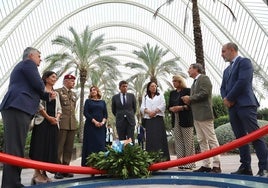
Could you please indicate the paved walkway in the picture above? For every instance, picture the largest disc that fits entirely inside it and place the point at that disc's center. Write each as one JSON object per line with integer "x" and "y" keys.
{"x": 229, "y": 163}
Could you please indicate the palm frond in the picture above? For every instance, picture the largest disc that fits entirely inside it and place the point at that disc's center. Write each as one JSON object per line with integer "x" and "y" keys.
{"x": 158, "y": 9}
{"x": 230, "y": 10}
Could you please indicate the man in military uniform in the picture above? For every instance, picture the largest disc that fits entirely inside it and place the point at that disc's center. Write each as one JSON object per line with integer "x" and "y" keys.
{"x": 68, "y": 124}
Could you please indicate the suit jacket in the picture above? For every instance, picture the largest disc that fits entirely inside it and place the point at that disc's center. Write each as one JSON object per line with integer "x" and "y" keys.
{"x": 127, "y": 111}
{"x": 25, "y": 88}
{"x": 201, "y": 99}
{"x": 185, "y": 117}
{"x": 237, "y": 83}
{"x": 68, "y": 104}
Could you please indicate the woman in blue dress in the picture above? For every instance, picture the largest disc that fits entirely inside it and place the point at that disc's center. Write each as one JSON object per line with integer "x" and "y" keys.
{"x": 96, "y": 115}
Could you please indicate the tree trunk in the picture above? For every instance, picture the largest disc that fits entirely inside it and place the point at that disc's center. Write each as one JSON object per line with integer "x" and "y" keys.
{"x": 199, "y": 53}
{"x": 83, "y": 76}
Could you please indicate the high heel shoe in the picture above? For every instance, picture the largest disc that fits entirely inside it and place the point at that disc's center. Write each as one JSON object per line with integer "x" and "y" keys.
{"x": 37, "y": 180}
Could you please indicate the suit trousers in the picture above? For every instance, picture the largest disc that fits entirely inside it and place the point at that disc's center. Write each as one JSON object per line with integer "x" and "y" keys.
{"x": 16, "y": 126}
{"x": 125, "y": 130}
{"x": 65, "y": 146}
{"x": 243, "y": 121}
{"x": 207, "y": 140}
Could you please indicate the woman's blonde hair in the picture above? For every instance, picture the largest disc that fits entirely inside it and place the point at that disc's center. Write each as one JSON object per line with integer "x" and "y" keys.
{"x": 180, "y": 79}
{"x": 98, "y": 92}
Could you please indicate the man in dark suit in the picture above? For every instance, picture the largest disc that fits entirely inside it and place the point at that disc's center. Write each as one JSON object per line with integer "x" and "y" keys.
{"x": 200, "y": 100}
{"x": 124, "y": 109}
{"x": 18, "y": 107}
{"x": 238, "y": 96}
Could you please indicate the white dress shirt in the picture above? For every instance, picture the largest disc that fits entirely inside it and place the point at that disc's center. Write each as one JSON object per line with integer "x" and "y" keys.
{"x": 158, "y": 102}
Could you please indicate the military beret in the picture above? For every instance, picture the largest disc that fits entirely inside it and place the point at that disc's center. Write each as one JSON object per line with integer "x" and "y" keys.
{"x": 69, "y": 76}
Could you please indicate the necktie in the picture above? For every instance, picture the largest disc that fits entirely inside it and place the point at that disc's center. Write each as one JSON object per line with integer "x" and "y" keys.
{"x": 193, "y": 87}
{"x": 124, "y": 98}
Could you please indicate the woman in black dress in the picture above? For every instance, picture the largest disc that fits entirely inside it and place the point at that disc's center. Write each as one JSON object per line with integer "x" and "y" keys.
{"x": 153, "y": 107}
{"x": 44, "y": 140}
{"x": 96, "y": 114}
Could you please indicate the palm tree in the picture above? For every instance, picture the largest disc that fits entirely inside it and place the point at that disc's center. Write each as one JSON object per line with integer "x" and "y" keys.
{"x": 83, "y": 55}
{"x": 153, "y": 65}
{"x": 199, "y": 52}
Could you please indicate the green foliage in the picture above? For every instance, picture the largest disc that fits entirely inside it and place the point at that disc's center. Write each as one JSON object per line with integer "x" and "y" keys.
{"x": 132, "y": 162}
{"x": 167, "y": 118}
{"x": 218, "y": 107}
{"x": 225, "y": 134}
{"x": 221, "y": 120}
{"x": 27, "y": 144}
{"x": 263, "y": 114}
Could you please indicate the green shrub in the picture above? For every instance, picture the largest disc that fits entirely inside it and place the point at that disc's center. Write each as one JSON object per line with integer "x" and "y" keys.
{"x": 27, "y": 144}
{"x": 218, "y": 108}
{"x": 131, "y": 162}
{"x": 221, "y": 120}
{"x": 263, "y": 114}
{"x": 225, "y": 134}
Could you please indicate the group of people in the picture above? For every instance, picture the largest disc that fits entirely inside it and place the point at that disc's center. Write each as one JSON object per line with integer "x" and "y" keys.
{"x": 30, "y": 96}
{"x": 238, "y": 96}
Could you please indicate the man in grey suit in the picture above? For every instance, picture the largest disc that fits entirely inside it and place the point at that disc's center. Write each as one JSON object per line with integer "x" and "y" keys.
{"x": 124, "y": 109}
{"x": 200, "y": 100}
{"x": 18, "y": 107}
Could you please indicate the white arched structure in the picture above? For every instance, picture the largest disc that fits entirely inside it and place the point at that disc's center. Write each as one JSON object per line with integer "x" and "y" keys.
{"x": 129, "y": 24}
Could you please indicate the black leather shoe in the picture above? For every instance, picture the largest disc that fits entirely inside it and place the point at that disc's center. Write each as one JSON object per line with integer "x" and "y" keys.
{"x": 68, "y": 175}
{"x": 243, "y": 171}
{"x": 262, "y": 173}
{"x": 58, "y": 176}
{"x": 203, "y": 169}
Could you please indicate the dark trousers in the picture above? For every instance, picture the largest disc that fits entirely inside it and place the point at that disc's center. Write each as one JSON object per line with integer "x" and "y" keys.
{"x": 16, "y": 126}
{"x": 243, "y": 121}
{"x": 141, "y": 141}
{"x": 125, "y": 130}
